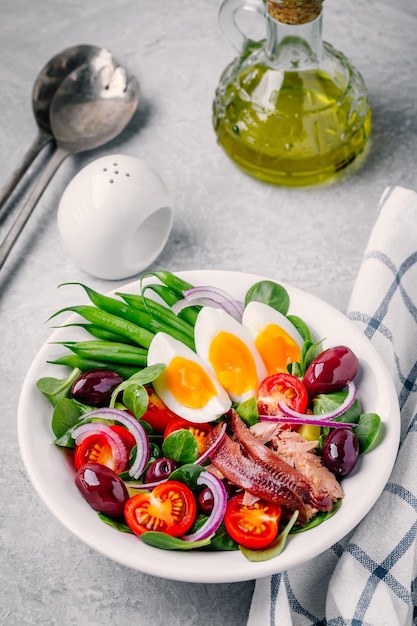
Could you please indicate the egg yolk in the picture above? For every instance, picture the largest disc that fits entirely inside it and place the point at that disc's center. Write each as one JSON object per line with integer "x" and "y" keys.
{"x": 189, "y": 383}
{"x": 277, "y": 348}
{"x": 233, "y": 363}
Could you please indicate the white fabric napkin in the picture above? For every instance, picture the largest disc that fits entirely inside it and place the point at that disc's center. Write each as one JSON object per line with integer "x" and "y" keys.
{"x": 369, "y": 578}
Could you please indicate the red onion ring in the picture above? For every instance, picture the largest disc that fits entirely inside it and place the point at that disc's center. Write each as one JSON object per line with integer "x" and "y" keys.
{"x": 133, "y": 426}
{"x": 289, "y": 416}
{"x": 115, "y": 442}
{"x": 346, "y": 404}
{"x": 145, "y": 486}
{"x": 306, "y": 420}
{"x": 213, "y": 447}
{"x": 210, "y": 296}
{"x": 219, "y": 507}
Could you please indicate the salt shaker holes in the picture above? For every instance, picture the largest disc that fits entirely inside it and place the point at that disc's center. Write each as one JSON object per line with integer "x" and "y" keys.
{"x": 115, "y": 172}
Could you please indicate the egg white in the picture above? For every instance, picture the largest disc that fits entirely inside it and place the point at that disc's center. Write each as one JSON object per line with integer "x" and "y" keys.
{"x": 258, "y": 315}
{"x": 209, "y": 323}
{"x": 163, "y": 349}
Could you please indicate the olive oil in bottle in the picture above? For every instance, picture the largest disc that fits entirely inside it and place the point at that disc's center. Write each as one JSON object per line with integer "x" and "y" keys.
{"x": 291, "y": 110}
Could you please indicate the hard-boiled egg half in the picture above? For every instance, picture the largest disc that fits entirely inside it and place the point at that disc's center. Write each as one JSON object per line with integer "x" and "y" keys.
{"x": 186, "y": 385}
{"x": 276, "y": 338}
{"x": 224, "y": 344}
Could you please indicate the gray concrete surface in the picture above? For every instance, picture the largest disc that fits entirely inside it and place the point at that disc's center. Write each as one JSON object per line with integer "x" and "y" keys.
{"x": 313, "y": 239}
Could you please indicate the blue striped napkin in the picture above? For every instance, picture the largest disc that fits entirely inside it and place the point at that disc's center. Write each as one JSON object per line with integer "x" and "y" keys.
{"x": 369, "y": 578}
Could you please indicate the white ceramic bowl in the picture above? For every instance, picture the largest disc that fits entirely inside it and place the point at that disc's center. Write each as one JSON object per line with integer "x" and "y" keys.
{"x": 52, "y": 475}
{"x": 115, "y": 217}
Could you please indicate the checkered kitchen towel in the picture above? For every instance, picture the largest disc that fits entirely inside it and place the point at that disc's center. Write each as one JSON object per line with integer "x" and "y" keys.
{"x": 369, "y": 578}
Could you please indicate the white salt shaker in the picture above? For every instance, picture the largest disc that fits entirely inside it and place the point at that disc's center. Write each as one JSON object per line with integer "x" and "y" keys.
{"x": 115, "y": 217}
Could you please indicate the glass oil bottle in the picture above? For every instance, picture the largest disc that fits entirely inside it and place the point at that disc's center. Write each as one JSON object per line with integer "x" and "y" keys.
{"x": 290, "y": 109}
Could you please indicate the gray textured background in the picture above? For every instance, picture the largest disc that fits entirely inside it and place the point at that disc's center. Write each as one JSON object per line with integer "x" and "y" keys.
{"x": 223, "y": 219}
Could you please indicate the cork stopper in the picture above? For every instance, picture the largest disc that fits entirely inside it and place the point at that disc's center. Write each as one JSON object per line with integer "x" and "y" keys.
{"x": 294, "y": 11}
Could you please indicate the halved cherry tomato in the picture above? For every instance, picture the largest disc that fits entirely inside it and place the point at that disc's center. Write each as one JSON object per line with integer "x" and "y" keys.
{"x": 281, "y": 387}
{"x": 200, "y": 431}
{"x": 169, "y": 508}
{"x": 253, "y": 526}
{"x": 97, "y": 449}
{"x": 157, "y": 415}
{"x": 126, "y": 435}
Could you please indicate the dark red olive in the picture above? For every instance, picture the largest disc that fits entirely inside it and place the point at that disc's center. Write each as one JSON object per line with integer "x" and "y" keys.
{"x": 340, "y": 451}
{"x": 159, "y": 469}
{"x": 103, "y": 489}
{"x": 95, "y": 387}
{"x": 331, "y": 370}
{"x": 206, "y": 500}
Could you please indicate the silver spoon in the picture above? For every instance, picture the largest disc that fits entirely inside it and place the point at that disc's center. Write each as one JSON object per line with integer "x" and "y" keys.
{"x": 90, "y": 107}
{"x": 46, "y": 84}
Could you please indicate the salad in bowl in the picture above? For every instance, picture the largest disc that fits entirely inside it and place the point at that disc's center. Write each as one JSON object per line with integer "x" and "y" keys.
{"x": 205, "y": 423}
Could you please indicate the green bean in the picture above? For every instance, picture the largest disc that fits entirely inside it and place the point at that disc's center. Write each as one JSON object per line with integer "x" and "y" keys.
{"x": 109, "y": 351}
{"x": 73, "y": 360}
{"x": 141, "y": 319}
{"x": 170, "y": 297}
{"x": 109, "y": 304}
{"x": 159, "y": 311}
{"x": 172, "y": 281}
{"x": 164, "y": 292}
{"x": 113, "y": 323}
{"x": 98, "y": 332}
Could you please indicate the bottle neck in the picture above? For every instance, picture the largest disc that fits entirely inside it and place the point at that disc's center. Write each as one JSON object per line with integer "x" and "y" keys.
{"x": 294, "y": 46}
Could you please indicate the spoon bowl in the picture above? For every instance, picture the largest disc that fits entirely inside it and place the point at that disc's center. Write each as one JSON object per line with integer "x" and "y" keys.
{"x": 92, "y": 106}
{"x": 44, "y": 89}
{"x": 54, "y": 73}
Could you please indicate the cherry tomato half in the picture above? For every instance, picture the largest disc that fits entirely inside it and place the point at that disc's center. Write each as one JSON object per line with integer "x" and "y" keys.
{"x": 169, "y": 508}
{"x": 97, "y": 449}
{"x": 282, "y": 387}
{"x": 157, "y": 415}
{"x": 200, "y": 431}
{"x": 253, "y": 526}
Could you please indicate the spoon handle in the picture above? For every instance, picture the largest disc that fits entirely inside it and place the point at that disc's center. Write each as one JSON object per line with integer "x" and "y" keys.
{"x": 55, "y": 161}
{"x": 40, "y": 141}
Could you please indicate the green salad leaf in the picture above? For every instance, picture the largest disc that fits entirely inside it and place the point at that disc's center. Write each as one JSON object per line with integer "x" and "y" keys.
{"x": 301, "y": 326}
{"x": 369, "y": 431}
{"x": 117, "y": 524}
{"x": 270, "y": 293}
{"x": 66, "y": 414}
{"x": 188, "y": 474}
{"x": 221, "y": 541}
{"x": 328, "y": 402}
{"x": 309, "y": 351}
{"x": 248, "y": 411}
{"x": 181, "y": 446}
{"x": 166, "y": 542}
{"x": 135, "y": 396}
{"x": 56, "y": 388}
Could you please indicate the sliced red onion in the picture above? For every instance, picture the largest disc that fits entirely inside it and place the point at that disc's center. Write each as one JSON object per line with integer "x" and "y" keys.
{"x": 307, "y": 419}
{"x": 114, "y": 440}
{"x": 346, "y": 404}
{"x": 219, "y": 507}
{"x": 145, "y": 486}
{"x": 289, "y": 416}
{"x": 133, "y": 426}
{"x": 210, "y": 296}
{"x": 213, "y": 447}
